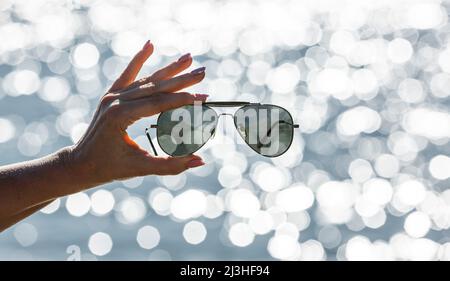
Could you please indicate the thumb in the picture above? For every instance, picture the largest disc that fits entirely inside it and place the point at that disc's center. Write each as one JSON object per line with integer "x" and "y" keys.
{"x": 174, "y": 165}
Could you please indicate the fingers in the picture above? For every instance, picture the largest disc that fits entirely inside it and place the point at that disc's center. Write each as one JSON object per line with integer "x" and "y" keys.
{"x": 133, "y": 68}
{"x": 160, "y": 102}
{"x": 166, "y": 86}
{"x": 167, "y": 72}
{"x": 174, "y": 165}
{"x": 180, "y": 82}
{"x": 173, "y": 69}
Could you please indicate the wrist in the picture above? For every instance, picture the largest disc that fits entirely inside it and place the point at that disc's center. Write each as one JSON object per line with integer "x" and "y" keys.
{"x": 78, "y": 174}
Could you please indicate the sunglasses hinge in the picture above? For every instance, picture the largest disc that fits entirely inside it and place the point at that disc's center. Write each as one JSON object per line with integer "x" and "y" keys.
{"x": 226, "y": 114}
{"x": 150, "y": 140}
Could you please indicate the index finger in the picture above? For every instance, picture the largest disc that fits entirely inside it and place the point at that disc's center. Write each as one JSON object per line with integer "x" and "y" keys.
{"x": 131, "y": 71}
{"x": 160, "y": 102}
{"x": 166, "y": 86}
{"x": 182, "y": 81}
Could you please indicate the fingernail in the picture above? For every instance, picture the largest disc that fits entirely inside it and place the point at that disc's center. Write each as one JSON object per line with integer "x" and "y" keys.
{"x": 146, "y": 45}
{"x": 195, "y": 163}
{"x": 184, "y": 58}
{"x": 199, "y": 70}
{"x": 201, "y": 96}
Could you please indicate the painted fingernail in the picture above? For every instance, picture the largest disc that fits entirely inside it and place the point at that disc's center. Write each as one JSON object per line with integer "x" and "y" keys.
{"x": 195, "y": 163}
{"x": 184, "y": 58}
{"x": 146, "y": 45}
{"x": 199, "y": 70}
{"x": 201, "y": 96}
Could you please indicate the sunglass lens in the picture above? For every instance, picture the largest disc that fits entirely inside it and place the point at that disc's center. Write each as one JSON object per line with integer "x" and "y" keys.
{"x": 184, "y": 130}
{"x": 267, "y": 129}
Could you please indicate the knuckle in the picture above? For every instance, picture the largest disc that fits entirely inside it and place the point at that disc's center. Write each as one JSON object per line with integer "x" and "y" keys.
{"x": 107, "y": 99}
{"x": 116, "y": 115}
{"x": 149, "y": 87}
{"x": 161, "y": 85}
{"x": 143, "y": 80}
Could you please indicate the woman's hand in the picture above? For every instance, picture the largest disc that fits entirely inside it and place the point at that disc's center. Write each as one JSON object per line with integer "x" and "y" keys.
{"x": 106, "y": 152}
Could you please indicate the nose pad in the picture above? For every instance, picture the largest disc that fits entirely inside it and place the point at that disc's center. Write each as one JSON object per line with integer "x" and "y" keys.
{"x": 242, "y": 131}
{"x": 213, "y": 133}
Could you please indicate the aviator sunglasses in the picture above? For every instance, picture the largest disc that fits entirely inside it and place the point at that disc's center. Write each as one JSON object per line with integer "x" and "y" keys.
{"x": 267, "y": 129}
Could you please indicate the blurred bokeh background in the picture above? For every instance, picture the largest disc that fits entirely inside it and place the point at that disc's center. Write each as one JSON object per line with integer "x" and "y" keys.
{"x": 367, "y": 176}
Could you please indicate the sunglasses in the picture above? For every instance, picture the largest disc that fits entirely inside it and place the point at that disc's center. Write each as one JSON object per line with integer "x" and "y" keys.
{"x": 267, "y": 129}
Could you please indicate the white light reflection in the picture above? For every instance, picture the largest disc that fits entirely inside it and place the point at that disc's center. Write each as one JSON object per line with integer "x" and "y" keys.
{"x": 241, "y": 235}
{"x": 102, "y": 202}
{"x": 160, "y": 200}
{"x": 85, "y": 55}
{"x": 78, "y": 204}
{"x": 148, "y": 237}
{"x": 439, "y": 167}
{"x": 295, "y": 198}
{"x": 26, "y": 234}
{"x": 417, "y": 224}
{"x": 131, "y": 210}
{"x": 8, "y": 130}
{"x": 243, "y": 203}
{"x": 100, "y": 243}
{"x": 189, "y": 204}
{"x": 52, "y": 207}
{"x": 284, "y": 247}
{"x": 194, "y": 232}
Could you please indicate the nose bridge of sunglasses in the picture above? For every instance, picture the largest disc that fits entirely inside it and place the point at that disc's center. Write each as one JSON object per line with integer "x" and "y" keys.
{"x": 226, "y": 114}
{"x": 213, "y": 131}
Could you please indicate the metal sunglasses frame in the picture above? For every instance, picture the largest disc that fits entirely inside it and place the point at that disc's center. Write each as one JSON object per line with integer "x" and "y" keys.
{"x": 239, "y": 104}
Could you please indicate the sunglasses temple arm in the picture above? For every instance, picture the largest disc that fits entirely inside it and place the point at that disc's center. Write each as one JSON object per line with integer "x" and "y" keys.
{"x": 150, "y": 140}
{"x": 295, "y": 126}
